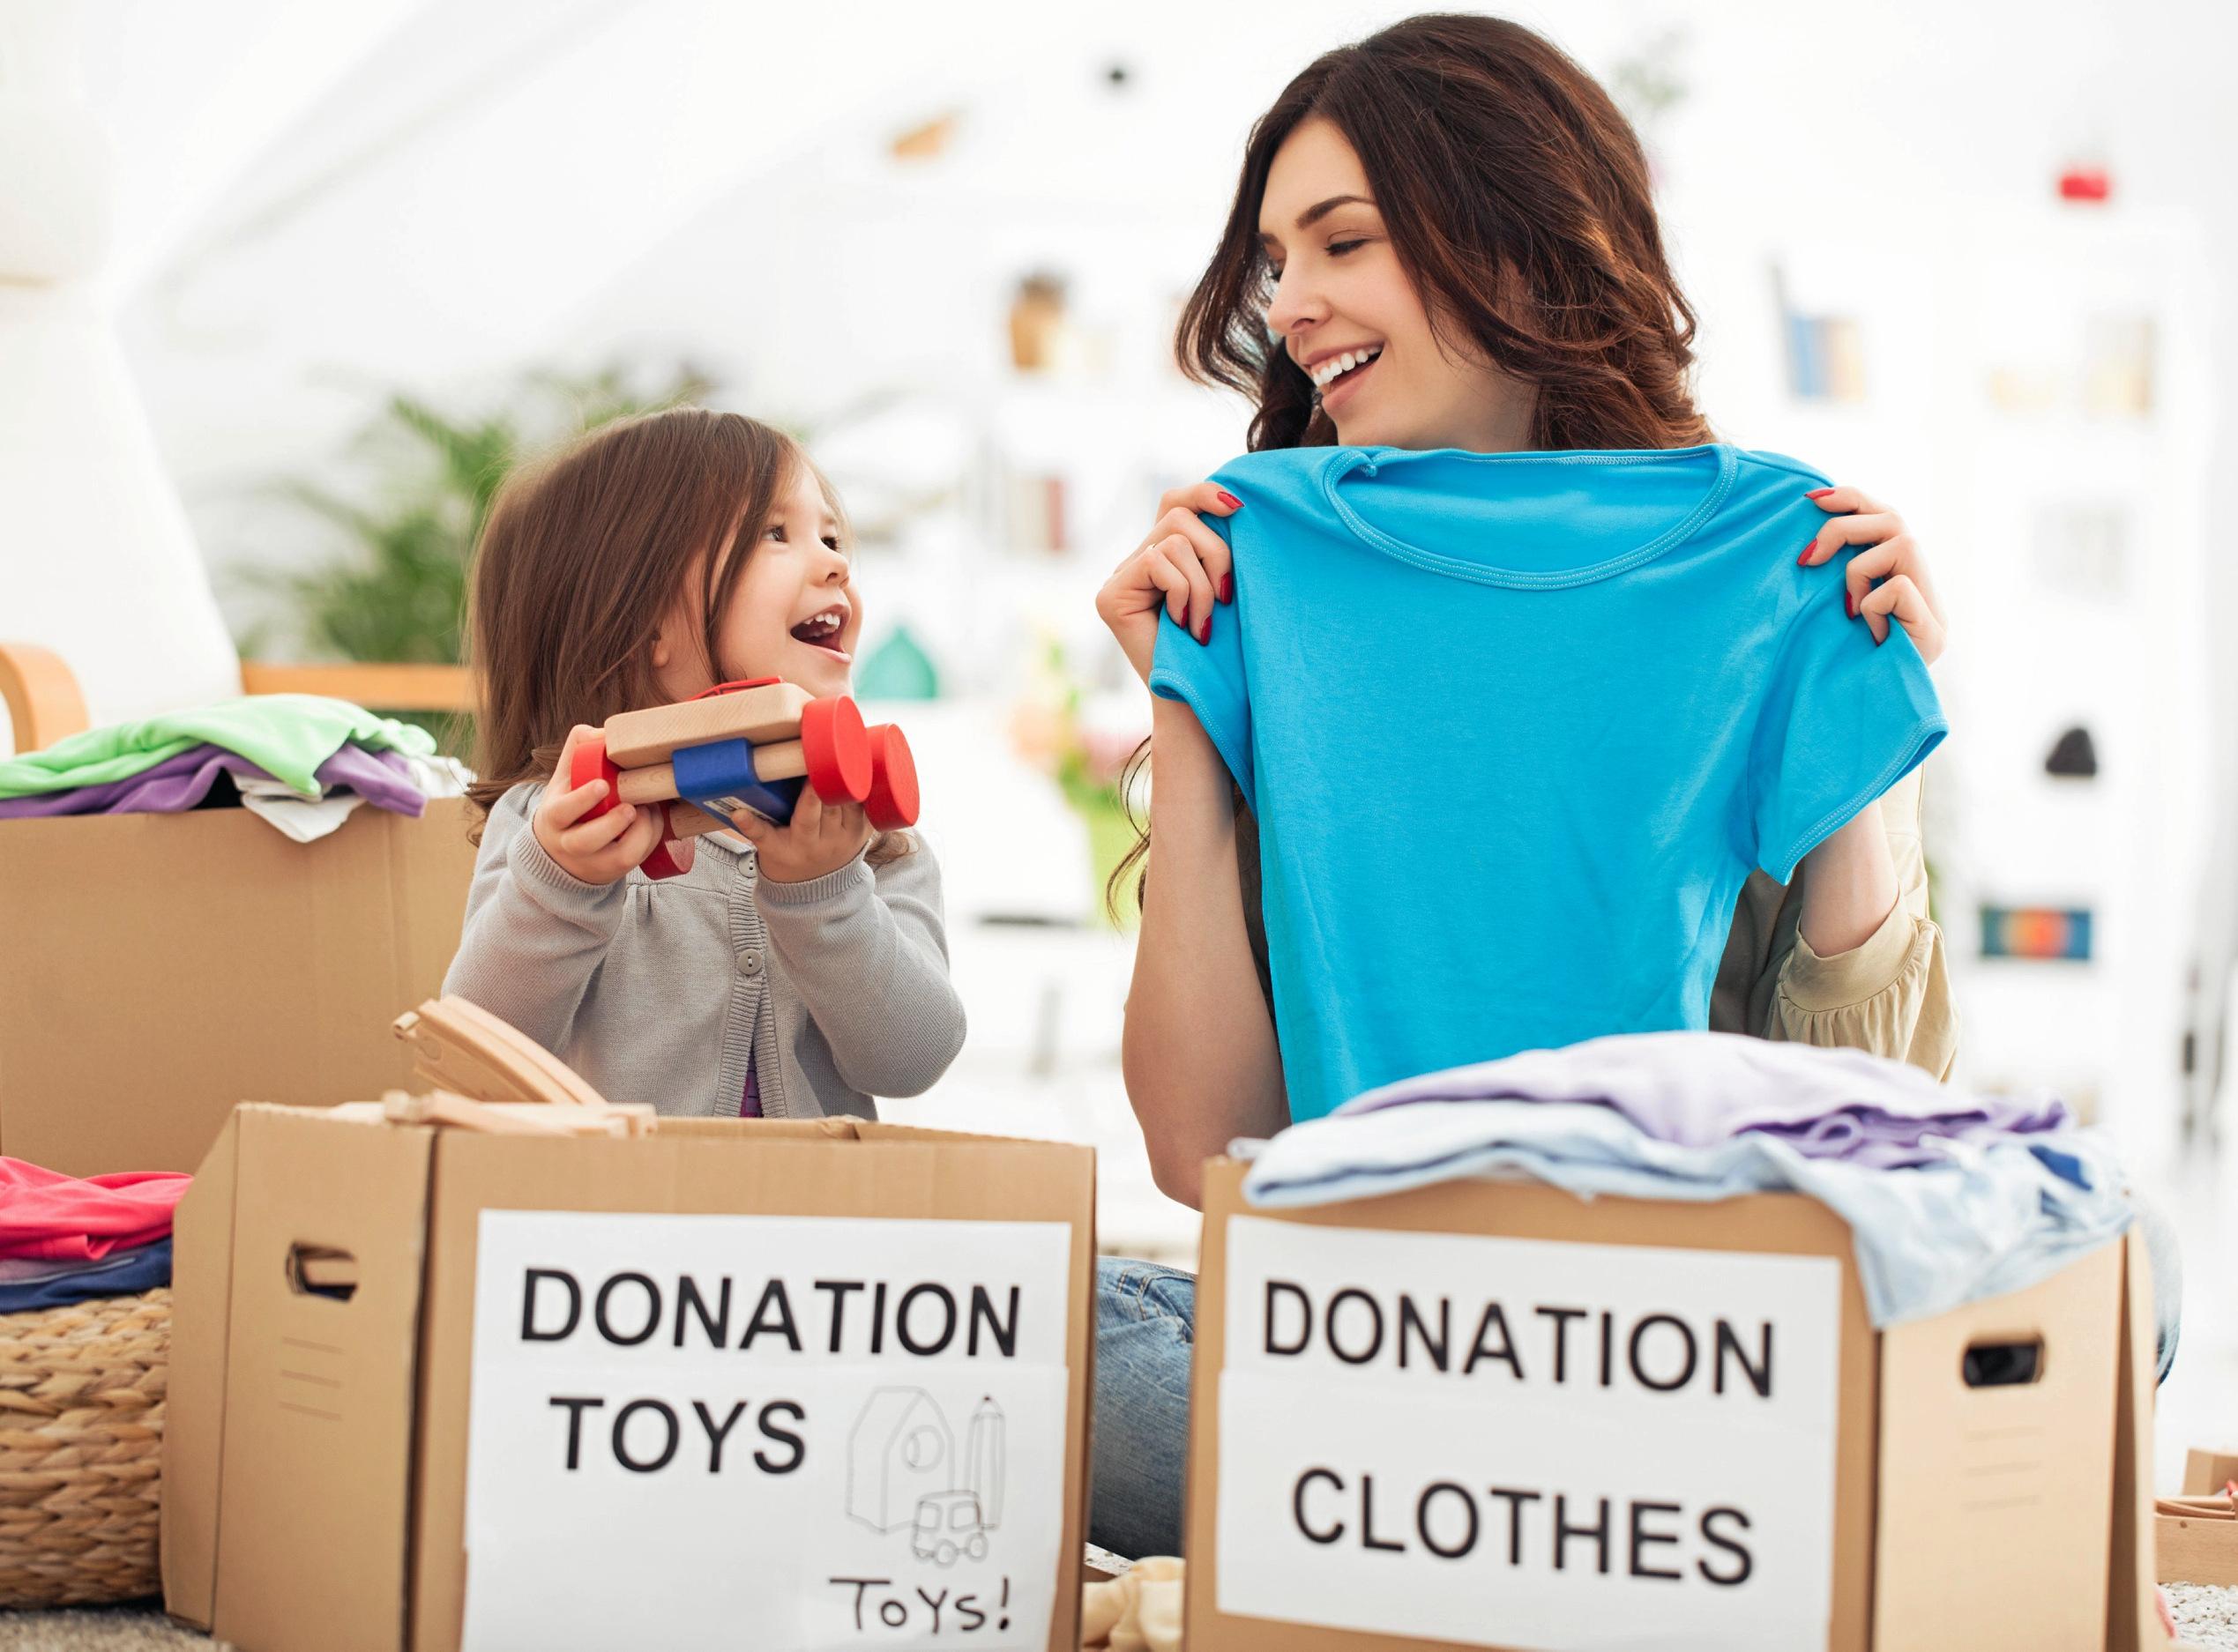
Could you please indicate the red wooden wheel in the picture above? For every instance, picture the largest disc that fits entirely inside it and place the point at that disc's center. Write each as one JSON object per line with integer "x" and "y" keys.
{"x": 836, "y": 749}
{"x": 591, "y": 763}
{"x": 892, "y": 802}
{"x": 661, "y": 863}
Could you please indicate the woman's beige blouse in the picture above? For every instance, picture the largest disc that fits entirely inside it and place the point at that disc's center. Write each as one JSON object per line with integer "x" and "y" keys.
{"x": 1891, "y": 996}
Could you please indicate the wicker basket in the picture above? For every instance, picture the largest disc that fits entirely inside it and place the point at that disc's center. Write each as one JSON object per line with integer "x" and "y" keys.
{"x": 81, "y": 1447}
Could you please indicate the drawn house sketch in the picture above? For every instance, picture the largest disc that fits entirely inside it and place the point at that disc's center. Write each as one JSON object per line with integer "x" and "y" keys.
{"x": 903, "y": 1470}
{"x": 900, "y": 1450}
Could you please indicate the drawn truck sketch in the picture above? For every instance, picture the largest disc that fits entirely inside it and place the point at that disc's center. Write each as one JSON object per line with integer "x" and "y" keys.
{"x": 903, "y": 1470}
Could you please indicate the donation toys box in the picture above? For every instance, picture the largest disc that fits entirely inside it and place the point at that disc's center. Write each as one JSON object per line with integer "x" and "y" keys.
{"x": 1493, "y": 1415}
{"x": 449, "y": 1374}
{"x": 156, "y": 969}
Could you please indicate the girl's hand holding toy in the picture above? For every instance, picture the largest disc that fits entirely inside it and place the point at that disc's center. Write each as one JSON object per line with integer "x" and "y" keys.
{"x": 820, "y": 838}
{"x": 596, "y": 848}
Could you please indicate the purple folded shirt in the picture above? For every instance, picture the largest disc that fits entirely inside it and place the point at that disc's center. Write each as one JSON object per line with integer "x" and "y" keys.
{"x": 1697, "y": 1089}
{"x": 180, "y": 783}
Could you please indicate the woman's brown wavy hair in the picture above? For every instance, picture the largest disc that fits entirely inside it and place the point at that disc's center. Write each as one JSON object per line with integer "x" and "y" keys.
{"x": 1518, "y": 200}
{"x": 583, "y": 555}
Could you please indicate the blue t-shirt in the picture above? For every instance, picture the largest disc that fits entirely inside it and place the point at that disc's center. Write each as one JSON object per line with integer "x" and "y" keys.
{"x": 1516, "y": 726}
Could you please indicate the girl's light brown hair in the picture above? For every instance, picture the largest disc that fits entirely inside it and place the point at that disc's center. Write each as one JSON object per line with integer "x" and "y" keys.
{"x": 584, "y": 556}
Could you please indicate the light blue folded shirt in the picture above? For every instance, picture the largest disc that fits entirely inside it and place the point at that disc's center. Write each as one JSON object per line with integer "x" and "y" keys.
{"x": 1982, "y": 1210}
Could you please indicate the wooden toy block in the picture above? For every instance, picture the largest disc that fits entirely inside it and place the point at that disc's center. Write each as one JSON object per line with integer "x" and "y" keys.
{"x": 2191, "y": 1548}
{"x": 2206, "y": 1471}
{"x": 518, "y": 1118}
{"x": 458, "y": 1046}
{"x": 750, "y": 744}
{"x": 765, "y": 713}
{"x": 657, "y": 782}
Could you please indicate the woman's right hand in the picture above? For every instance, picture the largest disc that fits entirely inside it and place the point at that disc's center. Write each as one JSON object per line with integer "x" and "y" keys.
{"x": 1182, "y": 567}
{"x": 596, "y": 851}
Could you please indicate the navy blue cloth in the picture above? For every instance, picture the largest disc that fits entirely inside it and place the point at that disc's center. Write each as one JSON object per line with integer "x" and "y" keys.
{"x": 119, "y": 1274}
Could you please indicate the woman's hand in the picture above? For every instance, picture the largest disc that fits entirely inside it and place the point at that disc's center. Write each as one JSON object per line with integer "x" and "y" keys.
{"x": 602, "y": 849}
{"x": 1891, "y": 555}
{"x": 817, "y": 841}
{"x": 1182, "y": 567}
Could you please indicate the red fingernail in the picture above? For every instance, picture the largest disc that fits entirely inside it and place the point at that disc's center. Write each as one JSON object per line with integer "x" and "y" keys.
{"x": 1850, "y": 603}
{"x": 1184, "y": 619}
{"x": 1205, "y": 635}
{"x": 1230, "y": 500}
{"x": 1818, "y": 493}
{"x": 1227, "y": 587}
{"x": 1804, "y": 560}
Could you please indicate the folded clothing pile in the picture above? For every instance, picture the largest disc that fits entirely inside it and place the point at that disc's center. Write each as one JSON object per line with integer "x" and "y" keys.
{"x": 64, "y": 1239}
{"x": 301, "y": 762}
{"x": 1950, "y": 1197}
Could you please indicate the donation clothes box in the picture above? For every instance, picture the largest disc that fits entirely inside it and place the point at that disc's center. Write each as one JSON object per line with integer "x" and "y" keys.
{"x": 1494, "y": 1415}
{"x": 731, "y": 1384}
{"x": 157, "y": 968}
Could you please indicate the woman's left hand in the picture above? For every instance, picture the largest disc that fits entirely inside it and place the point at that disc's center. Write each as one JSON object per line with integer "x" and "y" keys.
{"x": 1890, "y": 555}
{"x": 819, "y": 840}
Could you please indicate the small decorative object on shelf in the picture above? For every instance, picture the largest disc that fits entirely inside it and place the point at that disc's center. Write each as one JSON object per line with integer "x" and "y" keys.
{"x": 927, "y": 140}
{"x": 2046, "y": 933}
{"x": 898, "y": 669}
{"x": 2075, "y": 757}
{"x": 2085, "y": 183}
{"x": 1037, "y": 322}
{"x": 1056, "y": 730}
{"x": 1825, "y": 353}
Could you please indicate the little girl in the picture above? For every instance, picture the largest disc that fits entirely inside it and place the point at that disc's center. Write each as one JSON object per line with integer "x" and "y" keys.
{"x": 792, "y": 971}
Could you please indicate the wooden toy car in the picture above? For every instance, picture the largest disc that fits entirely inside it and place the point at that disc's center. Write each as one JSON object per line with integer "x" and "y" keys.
{"x": 746, "y": 745}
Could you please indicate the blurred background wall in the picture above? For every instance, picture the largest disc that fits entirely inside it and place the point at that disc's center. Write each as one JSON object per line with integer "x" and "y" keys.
{"x": 302, "y": 272}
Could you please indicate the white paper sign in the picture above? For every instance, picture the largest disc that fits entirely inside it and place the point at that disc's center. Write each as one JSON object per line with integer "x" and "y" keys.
{"x": 782, "y": 1433}
{"x": 1520, "y": 1443}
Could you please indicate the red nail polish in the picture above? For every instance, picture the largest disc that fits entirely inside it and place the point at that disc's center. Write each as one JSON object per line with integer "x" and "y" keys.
{"x": 1230, "y": 500}
{"x": 1205, "y": 635}
{"x": 1818, "y": 493}
{"x": 1185, "y": 621}
{"x": 1804, "y": 560}
{"x": 1850, "y": 603}
{"x": 1227, "y": 587}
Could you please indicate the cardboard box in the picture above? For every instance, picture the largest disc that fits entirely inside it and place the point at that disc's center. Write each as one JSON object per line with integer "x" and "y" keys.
{"x": 156, "y": 969}
{"x": 1494, "y": 1415}
{"x": 733, "y": 1383}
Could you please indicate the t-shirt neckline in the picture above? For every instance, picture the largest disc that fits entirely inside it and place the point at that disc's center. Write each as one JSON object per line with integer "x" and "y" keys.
{"x": 1342, "y": 462}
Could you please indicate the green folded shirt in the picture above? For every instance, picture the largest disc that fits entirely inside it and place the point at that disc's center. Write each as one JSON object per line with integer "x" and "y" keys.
{"x": 288, "y": 735}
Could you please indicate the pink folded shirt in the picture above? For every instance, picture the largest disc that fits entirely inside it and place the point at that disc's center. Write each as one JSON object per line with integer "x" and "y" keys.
{"x": 44, "y": 1213}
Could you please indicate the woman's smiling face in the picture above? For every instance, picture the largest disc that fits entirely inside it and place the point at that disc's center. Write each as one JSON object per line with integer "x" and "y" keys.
{"x": 1346, "y": 313}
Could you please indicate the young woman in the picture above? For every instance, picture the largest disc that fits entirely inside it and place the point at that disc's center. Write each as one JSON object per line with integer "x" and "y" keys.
{"x": 1442, "y": 239}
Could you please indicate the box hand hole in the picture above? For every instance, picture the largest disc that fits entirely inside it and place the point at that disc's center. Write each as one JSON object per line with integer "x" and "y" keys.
{"x": 320, "y": 1271}
{"x": 2003, "y": 1364}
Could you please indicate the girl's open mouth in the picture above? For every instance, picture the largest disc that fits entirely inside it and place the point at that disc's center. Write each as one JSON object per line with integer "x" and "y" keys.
{"x": 821, "y": 630}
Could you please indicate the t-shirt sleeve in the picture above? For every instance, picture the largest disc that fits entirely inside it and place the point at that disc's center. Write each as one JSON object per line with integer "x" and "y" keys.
{"x": 1841, "y": 721}
{"x": 1208, "y": 677}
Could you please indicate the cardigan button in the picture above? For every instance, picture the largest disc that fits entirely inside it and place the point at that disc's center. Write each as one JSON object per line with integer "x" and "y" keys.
{"x": 750, "y": 962}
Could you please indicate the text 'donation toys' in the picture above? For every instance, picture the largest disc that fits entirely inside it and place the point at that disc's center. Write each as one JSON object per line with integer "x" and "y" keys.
{"x": 746, "y": 745}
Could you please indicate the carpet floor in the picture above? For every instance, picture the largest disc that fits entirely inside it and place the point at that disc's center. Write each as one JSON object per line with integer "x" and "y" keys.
{"x": 2206, "y": 1617}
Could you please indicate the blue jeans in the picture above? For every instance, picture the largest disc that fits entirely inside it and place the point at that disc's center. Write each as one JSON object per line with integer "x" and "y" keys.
{"x": 1146, "y": 1327}
{"x": 1145, "y": 1323}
